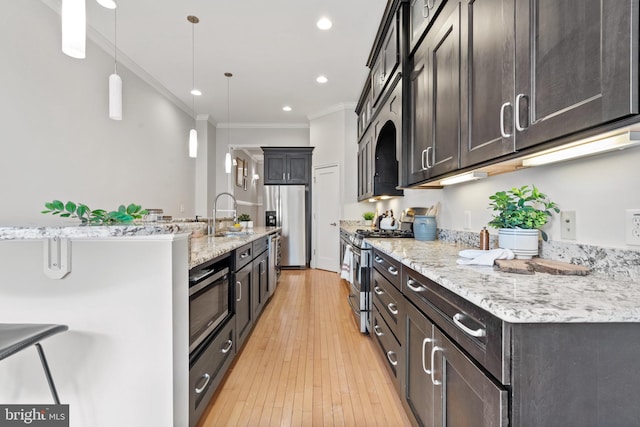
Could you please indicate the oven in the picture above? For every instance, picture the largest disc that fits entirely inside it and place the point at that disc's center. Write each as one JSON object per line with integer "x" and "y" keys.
{"x": 210, "y": 301}
{"x": 359, "y": 290}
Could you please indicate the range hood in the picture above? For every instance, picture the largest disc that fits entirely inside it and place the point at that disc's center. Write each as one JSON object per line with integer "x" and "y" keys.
{"x": 385, "y": 168}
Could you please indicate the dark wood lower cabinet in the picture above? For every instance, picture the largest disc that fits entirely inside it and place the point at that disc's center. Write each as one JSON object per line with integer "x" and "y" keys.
{"x": 244, "y": 305}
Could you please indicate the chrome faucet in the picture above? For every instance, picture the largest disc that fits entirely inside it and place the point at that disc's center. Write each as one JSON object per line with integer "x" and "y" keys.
{"x": 212, "y": 222}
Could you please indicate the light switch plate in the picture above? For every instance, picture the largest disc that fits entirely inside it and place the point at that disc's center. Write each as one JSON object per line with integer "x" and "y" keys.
{"x": 568, "y": 225}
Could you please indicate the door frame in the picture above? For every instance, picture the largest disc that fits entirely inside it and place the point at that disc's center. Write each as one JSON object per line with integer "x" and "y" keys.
{"x": 314, "y": 224}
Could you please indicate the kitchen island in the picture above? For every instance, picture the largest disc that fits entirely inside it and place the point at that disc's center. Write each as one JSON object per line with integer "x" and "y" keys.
{"x": 504, "y": 349}
{"x": 123, "y": 292}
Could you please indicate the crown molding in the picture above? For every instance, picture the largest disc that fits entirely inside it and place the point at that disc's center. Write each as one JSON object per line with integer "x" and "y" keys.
{"x": 263, "y": 125}
{"x": 333, "y": 109}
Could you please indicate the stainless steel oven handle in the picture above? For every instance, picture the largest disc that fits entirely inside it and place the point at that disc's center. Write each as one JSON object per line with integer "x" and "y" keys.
{"x": 392, "y": 308}
{"x": 424, "y": 344}
{"x": 457, "y": 320}
{"x": 393, "y": 362}
{"x": 433, "y": 366}
{"x": 393, "y": 270}
{"x": 208, "y": 279}
{"x": 226, "y": 349}
{"x": 239, "y": 288}
{"x": 378, "y": 291}
{"x": 207, "y": 378}
{"x": 419, "y": 288}
{"x": 377, "y": 330}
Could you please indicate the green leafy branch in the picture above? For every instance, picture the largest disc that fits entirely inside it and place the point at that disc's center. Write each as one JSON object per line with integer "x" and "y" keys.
{"x": 124, "y": 214}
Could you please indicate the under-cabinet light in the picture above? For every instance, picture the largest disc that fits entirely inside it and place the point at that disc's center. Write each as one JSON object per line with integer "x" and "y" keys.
{"x": 465, "y": 177}
{"x": 74, "y": 28}
{"x": 585, "y": 148}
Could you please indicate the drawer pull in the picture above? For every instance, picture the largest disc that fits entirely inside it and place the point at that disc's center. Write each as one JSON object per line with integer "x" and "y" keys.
{"x": 239, "y": 288}
{"x": 393, "y": 270}
{"x": 457, "y": 319}
{"x": 207, "y": 378}
{"x": 418, "y": 288}
{"x": 243, "y": 255}
{"x": 424, "y": 345}
{"x": 434, "y": 350}
{"x": 393, "y": 308}
{"x": 393, "y": 361}
{"x": 378, "y": 291}
{"x": 227, "y": 347}
{"x": 377, "y": 330}
{"x": 378, "y": 259}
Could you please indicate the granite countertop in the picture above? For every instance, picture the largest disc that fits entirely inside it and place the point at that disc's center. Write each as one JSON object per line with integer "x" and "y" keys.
{"x": 515, "y": 298}
{"x": 205, "y": 248}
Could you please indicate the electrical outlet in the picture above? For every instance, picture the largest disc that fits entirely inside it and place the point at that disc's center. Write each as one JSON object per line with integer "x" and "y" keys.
{"x": 568, "y": 225}
{"x": 632, "y": 226}
{"x": 181, "y": 208}
{"x": 467, "y": 220}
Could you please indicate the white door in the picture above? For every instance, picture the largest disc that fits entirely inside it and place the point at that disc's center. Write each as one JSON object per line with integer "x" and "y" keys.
{"x": 327, "y": 208}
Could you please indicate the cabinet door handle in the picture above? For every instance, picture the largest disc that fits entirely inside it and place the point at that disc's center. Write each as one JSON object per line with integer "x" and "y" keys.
{"x": 457, "y": 319}
{"x": 433, "y": 366}
{"x": 378, "y": 291}
{"x": 422, "y": 157}
{"x": 392, "y": 308}
{"x": 393, "y": 361}
{"x": 239, "y": 288}
{"x": 502, "y": 131}
{"x": 429, "y": 165}
{"x": 207, "y": 378}
{"x": 519, "y": 128}
{"x": 227, "y": 347}
{"x": 393, "y": 270}
{"x": 425, "y": 10}
{"x": 424, "y": 345}
{"x": 431, "y": 4}
{"x": 418, "y": 288}
{"x": 377, "y": 330}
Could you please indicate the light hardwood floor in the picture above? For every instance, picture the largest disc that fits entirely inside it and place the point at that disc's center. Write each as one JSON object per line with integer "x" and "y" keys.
{"x": 306, "y": 364}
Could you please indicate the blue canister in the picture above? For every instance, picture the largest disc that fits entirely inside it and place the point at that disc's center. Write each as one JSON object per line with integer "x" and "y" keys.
{"x": 424, "y": 227}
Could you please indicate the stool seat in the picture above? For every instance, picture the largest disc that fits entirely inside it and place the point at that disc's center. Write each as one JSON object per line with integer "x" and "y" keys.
{"x": 18, "y": 336}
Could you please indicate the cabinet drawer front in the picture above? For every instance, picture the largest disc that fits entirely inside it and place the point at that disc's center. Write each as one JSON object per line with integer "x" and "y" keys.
{"x": 260, "y": 245}
{"x": 479, "y": 333}
{"x": 244, "y": 255}
{"x": 391, "y": 349}
{"x": 208, "y": 370}
{"x": 389, "y": 301}
{"x": 388, "y": 267}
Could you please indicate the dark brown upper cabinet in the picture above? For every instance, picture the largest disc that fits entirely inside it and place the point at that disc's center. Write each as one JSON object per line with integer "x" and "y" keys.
{"x": 421, "y": 14}
{"x": 287, "y": 165}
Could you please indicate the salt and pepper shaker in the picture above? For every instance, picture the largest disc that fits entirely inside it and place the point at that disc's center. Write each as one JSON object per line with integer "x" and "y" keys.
{"x": 484, "y": 239}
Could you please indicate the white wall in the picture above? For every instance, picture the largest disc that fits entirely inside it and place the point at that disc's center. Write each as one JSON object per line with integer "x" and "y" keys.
{"x": 598, "y": 189}
{"x": 57, "y": 141}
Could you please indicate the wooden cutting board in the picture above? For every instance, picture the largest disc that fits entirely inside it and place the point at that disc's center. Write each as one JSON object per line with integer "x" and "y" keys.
{"x": 540, "y": 265}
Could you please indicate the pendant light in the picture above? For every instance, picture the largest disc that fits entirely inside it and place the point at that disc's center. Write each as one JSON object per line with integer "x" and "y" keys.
{"x": 227, "y": 158}
{"x": 115, "y": 82}
{"x": 193, "y": 134}
{"x": 74, "y": 28}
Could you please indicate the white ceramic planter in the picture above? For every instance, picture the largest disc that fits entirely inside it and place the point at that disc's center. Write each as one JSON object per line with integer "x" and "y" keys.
{"x": 523, "y": 243}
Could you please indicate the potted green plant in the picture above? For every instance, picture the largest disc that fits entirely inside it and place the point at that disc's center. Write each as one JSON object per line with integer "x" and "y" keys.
{"x": 245, "y": 221}
{"x": 368, "y": 218}
{"x": 520, "y": 213}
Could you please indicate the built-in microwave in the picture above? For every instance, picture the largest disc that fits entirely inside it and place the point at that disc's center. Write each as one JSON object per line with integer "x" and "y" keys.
{"x": 209, "y": 302}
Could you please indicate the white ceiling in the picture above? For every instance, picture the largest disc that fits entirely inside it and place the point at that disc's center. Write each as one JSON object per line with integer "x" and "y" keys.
{"x": 273, "y": 48}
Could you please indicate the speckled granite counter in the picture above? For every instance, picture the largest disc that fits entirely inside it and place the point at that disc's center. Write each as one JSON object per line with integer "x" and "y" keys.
{"x": 205, "y": 248}
{"x": 540, "y": 298}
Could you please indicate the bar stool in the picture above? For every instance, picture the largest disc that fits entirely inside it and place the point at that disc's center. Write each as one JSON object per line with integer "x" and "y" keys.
{"x": 15, "y": 337}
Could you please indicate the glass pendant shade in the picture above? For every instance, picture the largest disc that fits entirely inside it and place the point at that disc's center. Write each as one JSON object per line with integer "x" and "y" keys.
{"x": 115, "y": 97}
{"x": 109, "y": 4}
{"x": 193, "y": 143}
{"x": 74, "y": 28}
{"x": 227, "y": 163}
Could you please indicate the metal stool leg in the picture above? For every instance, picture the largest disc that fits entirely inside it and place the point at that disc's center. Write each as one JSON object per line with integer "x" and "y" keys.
{"x": 47, "y": 372}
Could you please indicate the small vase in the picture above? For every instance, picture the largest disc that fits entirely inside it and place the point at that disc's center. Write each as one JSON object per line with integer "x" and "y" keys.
{"x": 523, "y": 243}
{"x": 244, "y": 224}
{"x": 368, "y": 222}
{"x": 250, "y": 225}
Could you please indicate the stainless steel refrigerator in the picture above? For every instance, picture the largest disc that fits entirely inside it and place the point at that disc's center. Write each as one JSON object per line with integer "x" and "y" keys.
{"x": 289, "y": 203}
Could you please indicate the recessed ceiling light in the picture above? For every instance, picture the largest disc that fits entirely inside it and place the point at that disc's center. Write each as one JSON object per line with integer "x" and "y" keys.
{"x": 324, "y": 23}
{"x": 196, "y": 92}
{"x": 109, "y": 4}
{"x": 286, "y": 108}
{"x": 322, "y": 79}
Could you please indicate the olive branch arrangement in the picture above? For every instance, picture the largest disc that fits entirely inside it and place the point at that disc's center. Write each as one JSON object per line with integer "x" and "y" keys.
{"x": 123, "y": 215}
